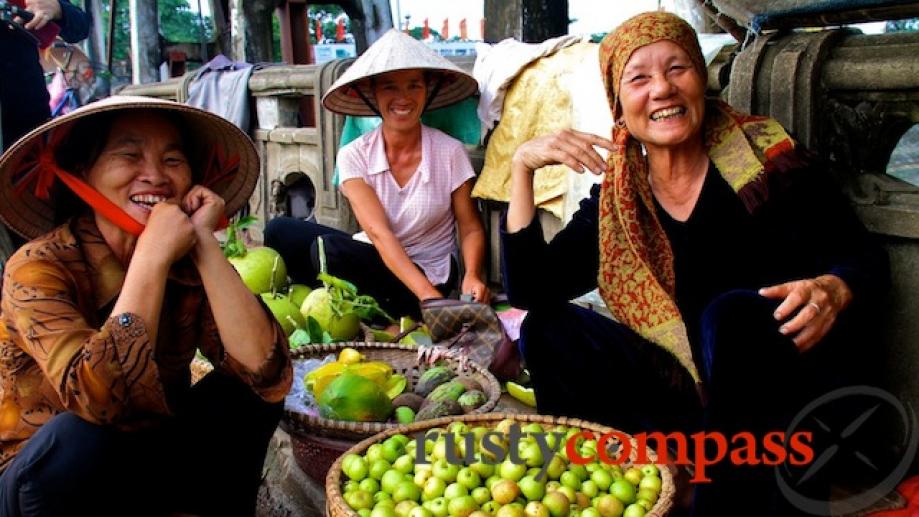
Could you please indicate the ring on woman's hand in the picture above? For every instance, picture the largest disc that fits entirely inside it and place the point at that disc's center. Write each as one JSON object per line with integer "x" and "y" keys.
{"x": 815, "y": 306}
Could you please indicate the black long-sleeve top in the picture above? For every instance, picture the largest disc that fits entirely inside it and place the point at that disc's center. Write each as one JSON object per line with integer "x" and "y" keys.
{"x": 805, "y": 229}
{"x": 23, "y": 94}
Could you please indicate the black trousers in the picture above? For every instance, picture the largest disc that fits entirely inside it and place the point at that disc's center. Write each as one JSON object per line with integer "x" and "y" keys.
{"x": 587, "y": 366}
{"x": 355, "y": 261}
{"x": 206, "y": 461}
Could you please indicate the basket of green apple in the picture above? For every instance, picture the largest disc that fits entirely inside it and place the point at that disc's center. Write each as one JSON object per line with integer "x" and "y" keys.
{"x": 494, "y": 465}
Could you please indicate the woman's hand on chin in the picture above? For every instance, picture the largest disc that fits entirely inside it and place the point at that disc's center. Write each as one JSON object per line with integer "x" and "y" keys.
{"x": 474, "y": 285}
{"x": 814, "y": 302}
{"x": 168, "y": 236}
{"x": 204, "y": 208}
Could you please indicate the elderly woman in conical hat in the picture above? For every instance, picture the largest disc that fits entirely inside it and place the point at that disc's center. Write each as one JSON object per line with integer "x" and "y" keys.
{"x": 736, "y": 275}
{"x": 409, "y": 185}
{"x": 104, "y": 308}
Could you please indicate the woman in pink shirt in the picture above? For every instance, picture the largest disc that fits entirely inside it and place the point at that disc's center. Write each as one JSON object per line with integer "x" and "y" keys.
{"x": 408, "y": 185}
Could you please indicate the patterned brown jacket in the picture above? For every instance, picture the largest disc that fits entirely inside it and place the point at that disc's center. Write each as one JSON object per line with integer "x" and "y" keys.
{"x": 61, "y": 349}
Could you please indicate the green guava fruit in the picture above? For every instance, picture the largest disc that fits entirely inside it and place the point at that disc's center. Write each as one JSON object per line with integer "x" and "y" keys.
{"x": 318, "y": 305}
{"x": 256, "y": 266}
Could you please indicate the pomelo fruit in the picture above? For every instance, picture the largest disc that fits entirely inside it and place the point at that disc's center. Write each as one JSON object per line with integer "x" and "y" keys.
{"x": 256, "y": 266}
{"x": 318, "y": 305}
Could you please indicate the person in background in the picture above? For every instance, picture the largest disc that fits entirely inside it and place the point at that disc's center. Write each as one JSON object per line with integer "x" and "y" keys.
{"x": 23, "y": 94}
{"x": 409, "y": 186}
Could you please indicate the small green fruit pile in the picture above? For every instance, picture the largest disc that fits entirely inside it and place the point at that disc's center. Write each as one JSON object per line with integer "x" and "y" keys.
{"x": 387, "y": 482}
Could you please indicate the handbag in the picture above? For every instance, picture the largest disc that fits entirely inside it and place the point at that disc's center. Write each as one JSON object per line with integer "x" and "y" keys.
{"x": 474, "y": 330}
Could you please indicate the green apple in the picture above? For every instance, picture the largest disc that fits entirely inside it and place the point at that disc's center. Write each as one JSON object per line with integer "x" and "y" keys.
{"x": 556, "y": 468}
{"x": 380, "y": 497}
{"x": 511, "y": 510}
{"x": 356, "y": 469}
{"x": 421, "y": 477}
{"x": 511, "y": 471}
{"x": 644, "y": 503}
{"x": 648, "y": 495}
{"x": 350, "y": 486}
{"x": 461, "y": 506}
{"x": 633, "y": 475}
{"x": 439, "y": 452}
{"x": 490, "y": 482}
{"x": 653, "y": 483}
{"x": 569, "y": 494}
{"x": 406, "y": 491}
{"x": 536, "y": 509}
{"x": 602, "y": 478}
{"x": 370, "y": 485}
{"x": 557, "y": 503}
{"x": 570, "y": 479}
{"x": 634, "y": 510}
{"x": 580, "y": 471}
{"x": 359, "y": 499}
{"x": 458, "y": 428}
{"x": 374, "y": 452}
{"x": 392, "y": 449}
{"x": 433, "y": 488}
{"x": 404, "y": 464}
{"x": 650, "y": 470}
{"x": 445, "y": 471}
{"x": 479, "y": 513}
{"x": 481, "y": 495}
{"x": 468, "y": 478}
{"x": 405, "y": 507}
{"x": 490, "y": 507}
{"x": 582, "y": 500}
{"x": 505, "y": 491}
{"x": 532, "y": 455}
{"x": 609, "y": 506}
{"x": 438, "y": 507}
{"x": 378, "y": 468}
{"x": 590, "y": 512}
{"x": 391, "y": 478}
{"x": 455, "y": 490}
{"x": 420, "y": 511}
{"x": 623, "y": 490}
{"x": 552, "y": 486}
{"x": 531, "y": 489}
{"x": 590, "y": 489}
{"x": 533, "y": 428}
{"x": 484, "y": 470}
{"x": 383, "y": 511}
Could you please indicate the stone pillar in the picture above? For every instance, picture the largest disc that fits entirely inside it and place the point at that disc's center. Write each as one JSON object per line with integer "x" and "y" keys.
{"x": 145, "y": 42}
{"x": 530, "y": 21}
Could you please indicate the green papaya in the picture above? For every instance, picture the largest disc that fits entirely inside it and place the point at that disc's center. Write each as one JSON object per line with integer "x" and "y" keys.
{"x": 354, "y": 398}
{"x": 439, "y": 409}
{"x": 433, "y": 378}
{"x": 447, "y": 391}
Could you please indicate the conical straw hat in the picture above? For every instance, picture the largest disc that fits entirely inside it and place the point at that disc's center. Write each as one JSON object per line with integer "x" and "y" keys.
{"x": 396, "y": 51}
{"x": 31, "y": 216}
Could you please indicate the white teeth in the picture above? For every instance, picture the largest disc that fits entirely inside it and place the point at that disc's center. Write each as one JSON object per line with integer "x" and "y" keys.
{"x": 668, "y": 113}
{"x": 147, "y": 199}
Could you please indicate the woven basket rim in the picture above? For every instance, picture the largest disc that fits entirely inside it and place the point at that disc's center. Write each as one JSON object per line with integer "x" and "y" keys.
{"x": 336, "y": 506}
{"x": 302, "y": 423}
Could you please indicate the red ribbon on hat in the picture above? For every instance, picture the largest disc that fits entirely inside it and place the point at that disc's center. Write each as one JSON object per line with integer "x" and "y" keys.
{"x": 43, "y": 169}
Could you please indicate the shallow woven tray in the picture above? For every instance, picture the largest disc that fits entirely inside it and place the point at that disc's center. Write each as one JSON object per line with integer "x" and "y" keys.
{"x": 403, "y": 359}
{"x": 336, "y": 506}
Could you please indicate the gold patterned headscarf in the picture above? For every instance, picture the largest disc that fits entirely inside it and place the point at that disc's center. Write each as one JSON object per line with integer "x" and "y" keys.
{"x": 636, "y": 278}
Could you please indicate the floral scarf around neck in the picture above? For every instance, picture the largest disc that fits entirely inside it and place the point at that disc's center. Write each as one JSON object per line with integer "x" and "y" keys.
{"x": 637, "y": 279}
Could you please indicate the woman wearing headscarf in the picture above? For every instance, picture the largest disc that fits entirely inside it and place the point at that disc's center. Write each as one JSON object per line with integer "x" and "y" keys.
{"x": 408, "y": 185}
{"x": 736, "y": 276}
{"x": 104, "y": 308}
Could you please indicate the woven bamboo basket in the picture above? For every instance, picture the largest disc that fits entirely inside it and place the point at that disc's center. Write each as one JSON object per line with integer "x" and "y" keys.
{"x": 337, "y": 507}
{"x": 317, "y": 441}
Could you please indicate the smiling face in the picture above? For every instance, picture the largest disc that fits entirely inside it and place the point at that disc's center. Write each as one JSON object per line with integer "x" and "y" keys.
{"x": 142, "y": 163}
{"x": 400, "y": 97}
{"x": 662, "y": 96}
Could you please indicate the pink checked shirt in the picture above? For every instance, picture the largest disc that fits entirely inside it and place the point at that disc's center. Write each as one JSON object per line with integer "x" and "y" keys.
{"x": 420, "y": 213}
